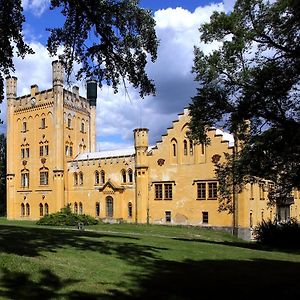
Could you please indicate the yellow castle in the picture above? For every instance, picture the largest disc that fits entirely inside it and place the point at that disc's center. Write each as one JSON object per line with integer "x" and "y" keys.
{"x": 52, "y": 162}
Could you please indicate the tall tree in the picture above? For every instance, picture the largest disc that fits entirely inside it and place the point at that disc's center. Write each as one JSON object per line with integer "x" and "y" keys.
{"x": 11, "y": 37}
{"x": 110, "y": 39}
{"x": 250, "y": 85}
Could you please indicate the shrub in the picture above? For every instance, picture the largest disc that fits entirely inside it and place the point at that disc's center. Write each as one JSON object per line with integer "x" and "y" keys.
{"x": 282, "y": 234}
{"x": 66, "y": 218}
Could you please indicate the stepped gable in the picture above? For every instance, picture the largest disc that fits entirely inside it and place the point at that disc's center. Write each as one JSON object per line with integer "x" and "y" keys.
{"x": 225, "y": 136}
{"x": 169, "y": 129}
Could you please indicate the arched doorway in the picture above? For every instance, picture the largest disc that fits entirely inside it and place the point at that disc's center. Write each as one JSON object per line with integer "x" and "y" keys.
{"x": 109, "y": 207}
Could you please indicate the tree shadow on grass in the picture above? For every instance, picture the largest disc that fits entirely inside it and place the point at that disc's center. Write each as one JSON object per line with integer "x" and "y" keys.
{"x": 32, "y": 242}
{"x": 20, "y": 285}
{"x": 215, "y": 279}
{"x": 166, "y": 279}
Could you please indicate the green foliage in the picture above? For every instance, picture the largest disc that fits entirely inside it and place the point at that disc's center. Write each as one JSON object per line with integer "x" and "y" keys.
{"x": 110, "y": 39}
{"x": 11, "y": 23}
{"x": 253, "y": 76}
{"x": 66, "y": 218}
{"x": 273, "y": 233}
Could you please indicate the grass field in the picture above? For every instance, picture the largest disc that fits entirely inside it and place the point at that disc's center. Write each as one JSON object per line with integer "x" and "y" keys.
{"x": 139, "y": 262}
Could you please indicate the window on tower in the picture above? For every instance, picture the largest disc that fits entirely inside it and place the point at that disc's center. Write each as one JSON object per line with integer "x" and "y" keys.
{"x": 82, "y": 127}
{"x": 43, "y": 123}
{"x": 25, "y": 178}
{"x": 24, "y": 126}
{"x": 44, "y": 176}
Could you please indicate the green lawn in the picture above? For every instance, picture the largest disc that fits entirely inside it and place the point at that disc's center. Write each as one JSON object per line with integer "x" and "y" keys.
{"x": 139, "y": 262}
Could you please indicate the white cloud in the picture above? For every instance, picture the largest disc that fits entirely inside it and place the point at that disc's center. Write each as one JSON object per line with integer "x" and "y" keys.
{"x": 117, "y": 115}
{"x": 37, "y": 7}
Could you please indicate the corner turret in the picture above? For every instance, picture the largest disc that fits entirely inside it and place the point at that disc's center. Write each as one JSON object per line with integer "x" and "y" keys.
{"x": 57, "y": 73}
{"x": 91, "y": 95}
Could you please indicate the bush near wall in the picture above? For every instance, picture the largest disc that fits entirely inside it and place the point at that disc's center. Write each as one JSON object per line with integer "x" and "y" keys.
{"x": 281, "y": 234}
{"x": 66, "y": 218}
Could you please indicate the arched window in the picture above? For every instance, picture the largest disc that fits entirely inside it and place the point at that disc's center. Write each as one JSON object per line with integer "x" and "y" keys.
{"x": 130, "y": 176}
{"x": 123, "y": 173}
{"x": 80, "y": 178}
{"x": 191, "y": 148}
{"x": 102, "y": 177}
{"x": 109, "y": 207}
{"x": 174, "y": 147}
{"x": 129, "y": 210}
{"x": 41, "y": 210}
{"x": 75, "y": 208}
{"x": 22, "y": 210}
{"x": 46, "y": 209}
{"x": 27, "y": 209}
{"x": 185, "y": 147}
{"x": 97, "y": 177}
{"x": 75, "y": 179}
{"x": 80, "y": 208}
{"x": 97, "y": 209}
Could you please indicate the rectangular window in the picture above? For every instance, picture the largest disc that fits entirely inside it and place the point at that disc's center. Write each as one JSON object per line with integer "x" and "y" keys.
{"x": 201, "y": 190}
{"x": 158, "y": 191}
{"x": 82, "y": 127}
{"x": 71, "y": 151}
{"x": 168, "y": 191}
{"x": 27, "y": 152}
{"x": 168, "y": 216}
{"x": 43, "y": 123}
{"x": 44, "y": 178}
{"x": 69, "y": 123}
{"x": 44, "y": 150}
{"x": 212, "y": 190}
{"x": 251, "y": 191}
{"x": 204, "y": 217}
{"x": 67, "y": 150}
{"x": 22, "y": 153}
{"x": 24, "y": 127}
{"x": 207, "y": 190}
{"x": 163, "y": 191}
{"x": 24, "y": 179}
{"x": 261, "y": 191}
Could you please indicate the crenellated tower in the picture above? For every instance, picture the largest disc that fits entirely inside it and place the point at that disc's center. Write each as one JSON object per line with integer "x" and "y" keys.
{"x": 142, "y": 176}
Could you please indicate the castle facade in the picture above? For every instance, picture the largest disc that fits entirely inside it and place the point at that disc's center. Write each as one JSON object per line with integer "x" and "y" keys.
{"x": 52, "y": 162}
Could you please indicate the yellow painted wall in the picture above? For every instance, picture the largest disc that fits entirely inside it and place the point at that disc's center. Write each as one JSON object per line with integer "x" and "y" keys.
{"x": 150, "y": 166}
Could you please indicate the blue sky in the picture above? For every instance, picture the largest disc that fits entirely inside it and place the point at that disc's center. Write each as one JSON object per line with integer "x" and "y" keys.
{"x": 177, "y": 23}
